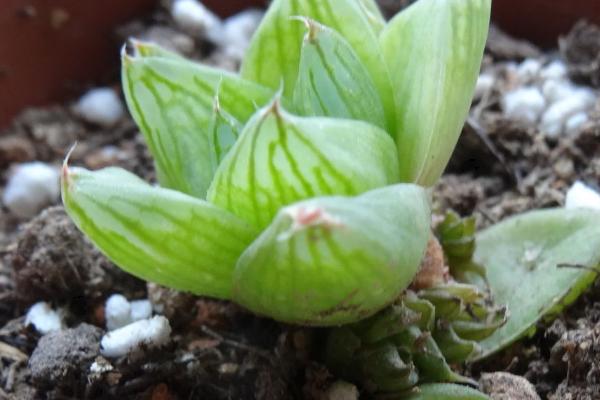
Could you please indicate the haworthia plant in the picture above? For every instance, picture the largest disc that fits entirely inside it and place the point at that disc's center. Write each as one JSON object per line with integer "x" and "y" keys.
{"x": 286, "y": 272}
{"x": 297, "y": 189}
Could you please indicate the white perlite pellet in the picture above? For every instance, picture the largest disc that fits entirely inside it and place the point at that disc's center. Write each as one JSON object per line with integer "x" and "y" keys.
{"x": 30, "y": 188}
{"x": 525, "y": 104}
{"x": 555, "y": 117}
{"x": 529, "y": 69}
{"x": 575, "y": 123}
{"x": 582, "y": 196}
{"x": 238, "y": 30}
{"x": 101, "y": 106}
{"x": 195, "y": 18}
{"x": 44, "y": 318}
{"x": 557, "y": 89}
{"x": 140, "y": 309}
{"x": 146, "y": 333}
{"x": 100, "y": 367}
{"x": 117, "y": 312}
{"x": 555, "y": 70}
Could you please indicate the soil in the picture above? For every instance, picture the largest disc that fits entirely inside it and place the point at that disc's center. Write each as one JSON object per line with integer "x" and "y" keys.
{"x": 219, "y": 351}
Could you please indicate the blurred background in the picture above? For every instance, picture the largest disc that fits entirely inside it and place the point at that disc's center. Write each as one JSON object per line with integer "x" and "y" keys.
{"x": 49, "y": 49}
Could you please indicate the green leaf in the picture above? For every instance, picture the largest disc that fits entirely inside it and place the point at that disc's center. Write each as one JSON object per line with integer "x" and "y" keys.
{"x": 224, "y": 131}
{"x": 387, "y": 323}
{"x": 273, "y": 57}
{"x": 156, "y": 234}
{"x": 332, "y": 80}
{"x": 427, "y": 356}
{"x": 281, "y": 158}
{"x": 382, "y": 368}
{"x": 537, "y": 263}
{"x": 454, "y": 348}
{"x": 445, "y": 391}
{"x": 171, "y": 100}
{"x": 374, "y": 15}
{"x": 335, "y": 260}
{"x": 434, "y": 49}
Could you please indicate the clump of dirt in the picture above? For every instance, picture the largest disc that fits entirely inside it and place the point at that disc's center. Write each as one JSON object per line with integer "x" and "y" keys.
{"x": 15, "y": 149}
{"x": 505, "y": 386}
{"x": 578, "y": 351}
{"x": 61, "y": 356}
{"x": 53, "y": 262}
{"x": 45, "y": 132}
{"x": 581, "y": 49}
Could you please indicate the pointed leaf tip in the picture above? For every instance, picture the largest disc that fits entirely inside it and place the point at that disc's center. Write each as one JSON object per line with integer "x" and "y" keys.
{"x": 172, "y": 100}
{"x": 158, "y": 234}
{"x": 274, "y": 52}
{"x": 280, "y": 158}
{"x": 333, "y": 81}
{"x": 65, "y": 172}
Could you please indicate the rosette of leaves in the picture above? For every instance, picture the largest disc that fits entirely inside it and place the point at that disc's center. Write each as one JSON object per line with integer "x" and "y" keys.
{"x": 414, "y": 340}
{"x": 295, "y": 188}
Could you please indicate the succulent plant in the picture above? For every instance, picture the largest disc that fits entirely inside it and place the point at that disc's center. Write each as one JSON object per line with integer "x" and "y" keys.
{"x": 296, "y": 188}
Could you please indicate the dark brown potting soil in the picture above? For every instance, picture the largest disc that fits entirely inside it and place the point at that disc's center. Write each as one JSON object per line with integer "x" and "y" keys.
{"x": 219, "y": 351}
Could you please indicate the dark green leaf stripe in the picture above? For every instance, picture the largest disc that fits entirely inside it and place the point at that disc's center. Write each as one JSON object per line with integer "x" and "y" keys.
{"x": 433, "y": 50}
{"x": 294, "y": 270}
{"x": 157, "y": 234}
{"x": 274, "y": 53}
{"x": 172, "y": 102}
{"x": 333, "y": 81}
{"x": 281, "y": 158}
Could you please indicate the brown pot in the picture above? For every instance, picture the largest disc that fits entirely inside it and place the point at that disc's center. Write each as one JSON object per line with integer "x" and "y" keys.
{"x": 46, "y": 47}
{"x": 543, "y": 21}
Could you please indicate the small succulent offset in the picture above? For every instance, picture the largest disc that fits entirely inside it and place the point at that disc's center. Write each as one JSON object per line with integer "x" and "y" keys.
{"x": 299, "y": 188}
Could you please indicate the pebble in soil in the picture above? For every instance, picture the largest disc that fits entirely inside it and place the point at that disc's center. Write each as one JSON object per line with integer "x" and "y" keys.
{"x": 505, "y": 386}
{"x": 31, "y": 187}
{"x": 60, "y": 356}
